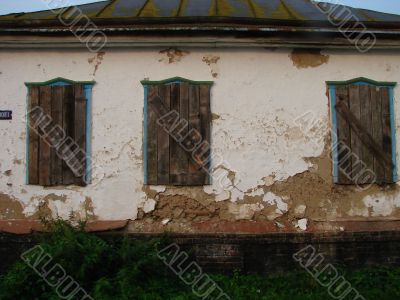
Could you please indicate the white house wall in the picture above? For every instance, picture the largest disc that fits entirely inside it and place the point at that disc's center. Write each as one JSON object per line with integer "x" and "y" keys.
{"x": 280, "y": 172}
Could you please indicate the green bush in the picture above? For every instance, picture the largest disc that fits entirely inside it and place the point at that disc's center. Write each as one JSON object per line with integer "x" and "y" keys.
{"x": 131, "y": 269}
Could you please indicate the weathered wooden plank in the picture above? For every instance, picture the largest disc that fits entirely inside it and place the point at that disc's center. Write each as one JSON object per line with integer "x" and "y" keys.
{"x": 45, "y": 149}
{"x": 367, "y": 156}
{"x": 194, "y": 122}
{"x": 387, "y": 135}
{"x": 183, "y": 156}
{"x": 377, "y": 131}
{"x": 163, "y": 139}
{"x": 205, "y": 123}
{"x": 174, "y": 147}
{"x": 57, "y": 96}
{"x": 33, "y": 146}
{"x": 68, "y": 126}
{"x": 356, "y": 144}
{"x": 152, "y": 167}
{"x": 80, "y": 134}
{"x": 365, "y": 137}
{"x": 344, "y": 140}
{"x": 188, "y": 179}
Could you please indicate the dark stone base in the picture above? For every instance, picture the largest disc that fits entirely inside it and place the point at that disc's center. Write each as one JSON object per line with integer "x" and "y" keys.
{"x": 267, "y": 253}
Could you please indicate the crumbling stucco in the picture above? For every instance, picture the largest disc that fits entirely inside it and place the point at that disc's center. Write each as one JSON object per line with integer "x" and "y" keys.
{"x": 276, "y": 174}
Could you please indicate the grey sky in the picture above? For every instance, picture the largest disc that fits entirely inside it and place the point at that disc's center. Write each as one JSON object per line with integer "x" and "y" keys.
{"x": 12, "y": 6}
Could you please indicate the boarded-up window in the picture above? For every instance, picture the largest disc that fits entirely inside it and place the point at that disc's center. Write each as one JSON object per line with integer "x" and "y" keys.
{"x": 177, "y": 132}
{"x": 57, "y": 135}
{"x": 364, "y": 146}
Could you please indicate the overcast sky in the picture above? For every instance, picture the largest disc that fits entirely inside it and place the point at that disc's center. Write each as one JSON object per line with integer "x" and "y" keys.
{"x": 12, "y": 6}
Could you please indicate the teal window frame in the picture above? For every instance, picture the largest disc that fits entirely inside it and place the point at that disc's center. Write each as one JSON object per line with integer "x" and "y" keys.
{"x": 332, "y": 96}
{"x": 88, "y": 88}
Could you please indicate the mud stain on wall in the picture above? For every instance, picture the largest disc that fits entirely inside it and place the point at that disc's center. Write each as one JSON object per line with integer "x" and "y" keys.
{"x": 10, "y": 208}
{"x": 308, "y": 58}
{"x": 97, "y": 60}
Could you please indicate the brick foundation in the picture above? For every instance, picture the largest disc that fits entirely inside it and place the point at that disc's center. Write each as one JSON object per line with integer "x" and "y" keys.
{"x": 261, "y": 253}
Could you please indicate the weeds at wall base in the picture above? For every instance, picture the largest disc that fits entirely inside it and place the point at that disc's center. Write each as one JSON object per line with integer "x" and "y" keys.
{"x": 131, "y": 269}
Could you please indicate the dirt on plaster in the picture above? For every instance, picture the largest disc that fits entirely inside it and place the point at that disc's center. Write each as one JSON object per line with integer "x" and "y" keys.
{"x": 88, "y": 209}
{"x": 308, "y": 58}
{"x": 10, "y": 208}
{"x": 215, "y": 116}
{"x": 17, "y": 161}
{"x": 172, "y": 55}
{"x": 211, "y": 61}
{"x": 97, "y": 60}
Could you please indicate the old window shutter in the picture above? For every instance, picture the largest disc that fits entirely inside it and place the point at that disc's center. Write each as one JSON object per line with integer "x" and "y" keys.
{"x": 364, "y": 145}
{"x": 172, "y": 161}
{"x": 66, "y": 105}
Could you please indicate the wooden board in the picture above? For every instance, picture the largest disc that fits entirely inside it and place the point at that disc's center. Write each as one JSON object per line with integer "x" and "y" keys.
{"x": 386, "y": 132}
{"x": 163, "y": 139}
{"x": 45, "y": 150}
{"x": 356, "y": 144}
{"x": 57, "y": 96}
{"x": 367, "y": 155}
{"x": 152, "y": 168}
{"x": 174, "y": 147}
{"x": 205, "y": 123}
{"x": 344, "y": 140}
{"x": 33, "y": 137}
{"x": 80, "y": 134}
{"x": 194, "y": 122}
{"x": 68, "y": 126}
{"x": 377, "y": 131}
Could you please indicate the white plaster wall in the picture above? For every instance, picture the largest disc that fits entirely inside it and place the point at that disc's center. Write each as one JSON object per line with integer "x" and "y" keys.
{"x": 257, "y": 94}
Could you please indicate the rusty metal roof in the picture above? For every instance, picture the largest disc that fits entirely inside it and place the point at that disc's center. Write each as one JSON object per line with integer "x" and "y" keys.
{"x": 284, "y": 10}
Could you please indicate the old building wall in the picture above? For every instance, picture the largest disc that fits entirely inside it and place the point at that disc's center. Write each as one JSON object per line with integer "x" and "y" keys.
{"x": 280, "y": 174}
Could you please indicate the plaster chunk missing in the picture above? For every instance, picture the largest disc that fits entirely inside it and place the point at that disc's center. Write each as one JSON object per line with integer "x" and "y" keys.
{"x": 244, "y": 211}
{"x": 300, "y": 211}
{"x": 308, "y": 58}
{"x": 10, "y": 208}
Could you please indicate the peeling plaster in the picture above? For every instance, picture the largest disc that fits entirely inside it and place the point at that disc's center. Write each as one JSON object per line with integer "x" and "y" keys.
{"x": 265, "y": 156}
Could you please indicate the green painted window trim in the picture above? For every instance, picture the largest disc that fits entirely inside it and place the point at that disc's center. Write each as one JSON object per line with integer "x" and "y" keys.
{"x": 59, "y": 79}
{"x": 176, "y": 79}
{"x": 362, "y": 79}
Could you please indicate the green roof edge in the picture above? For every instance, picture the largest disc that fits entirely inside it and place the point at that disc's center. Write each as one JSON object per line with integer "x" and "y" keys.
{"x": 362, "y": 79}
{"x": 175, "y": 79}
{"x": 58, "y": 79}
